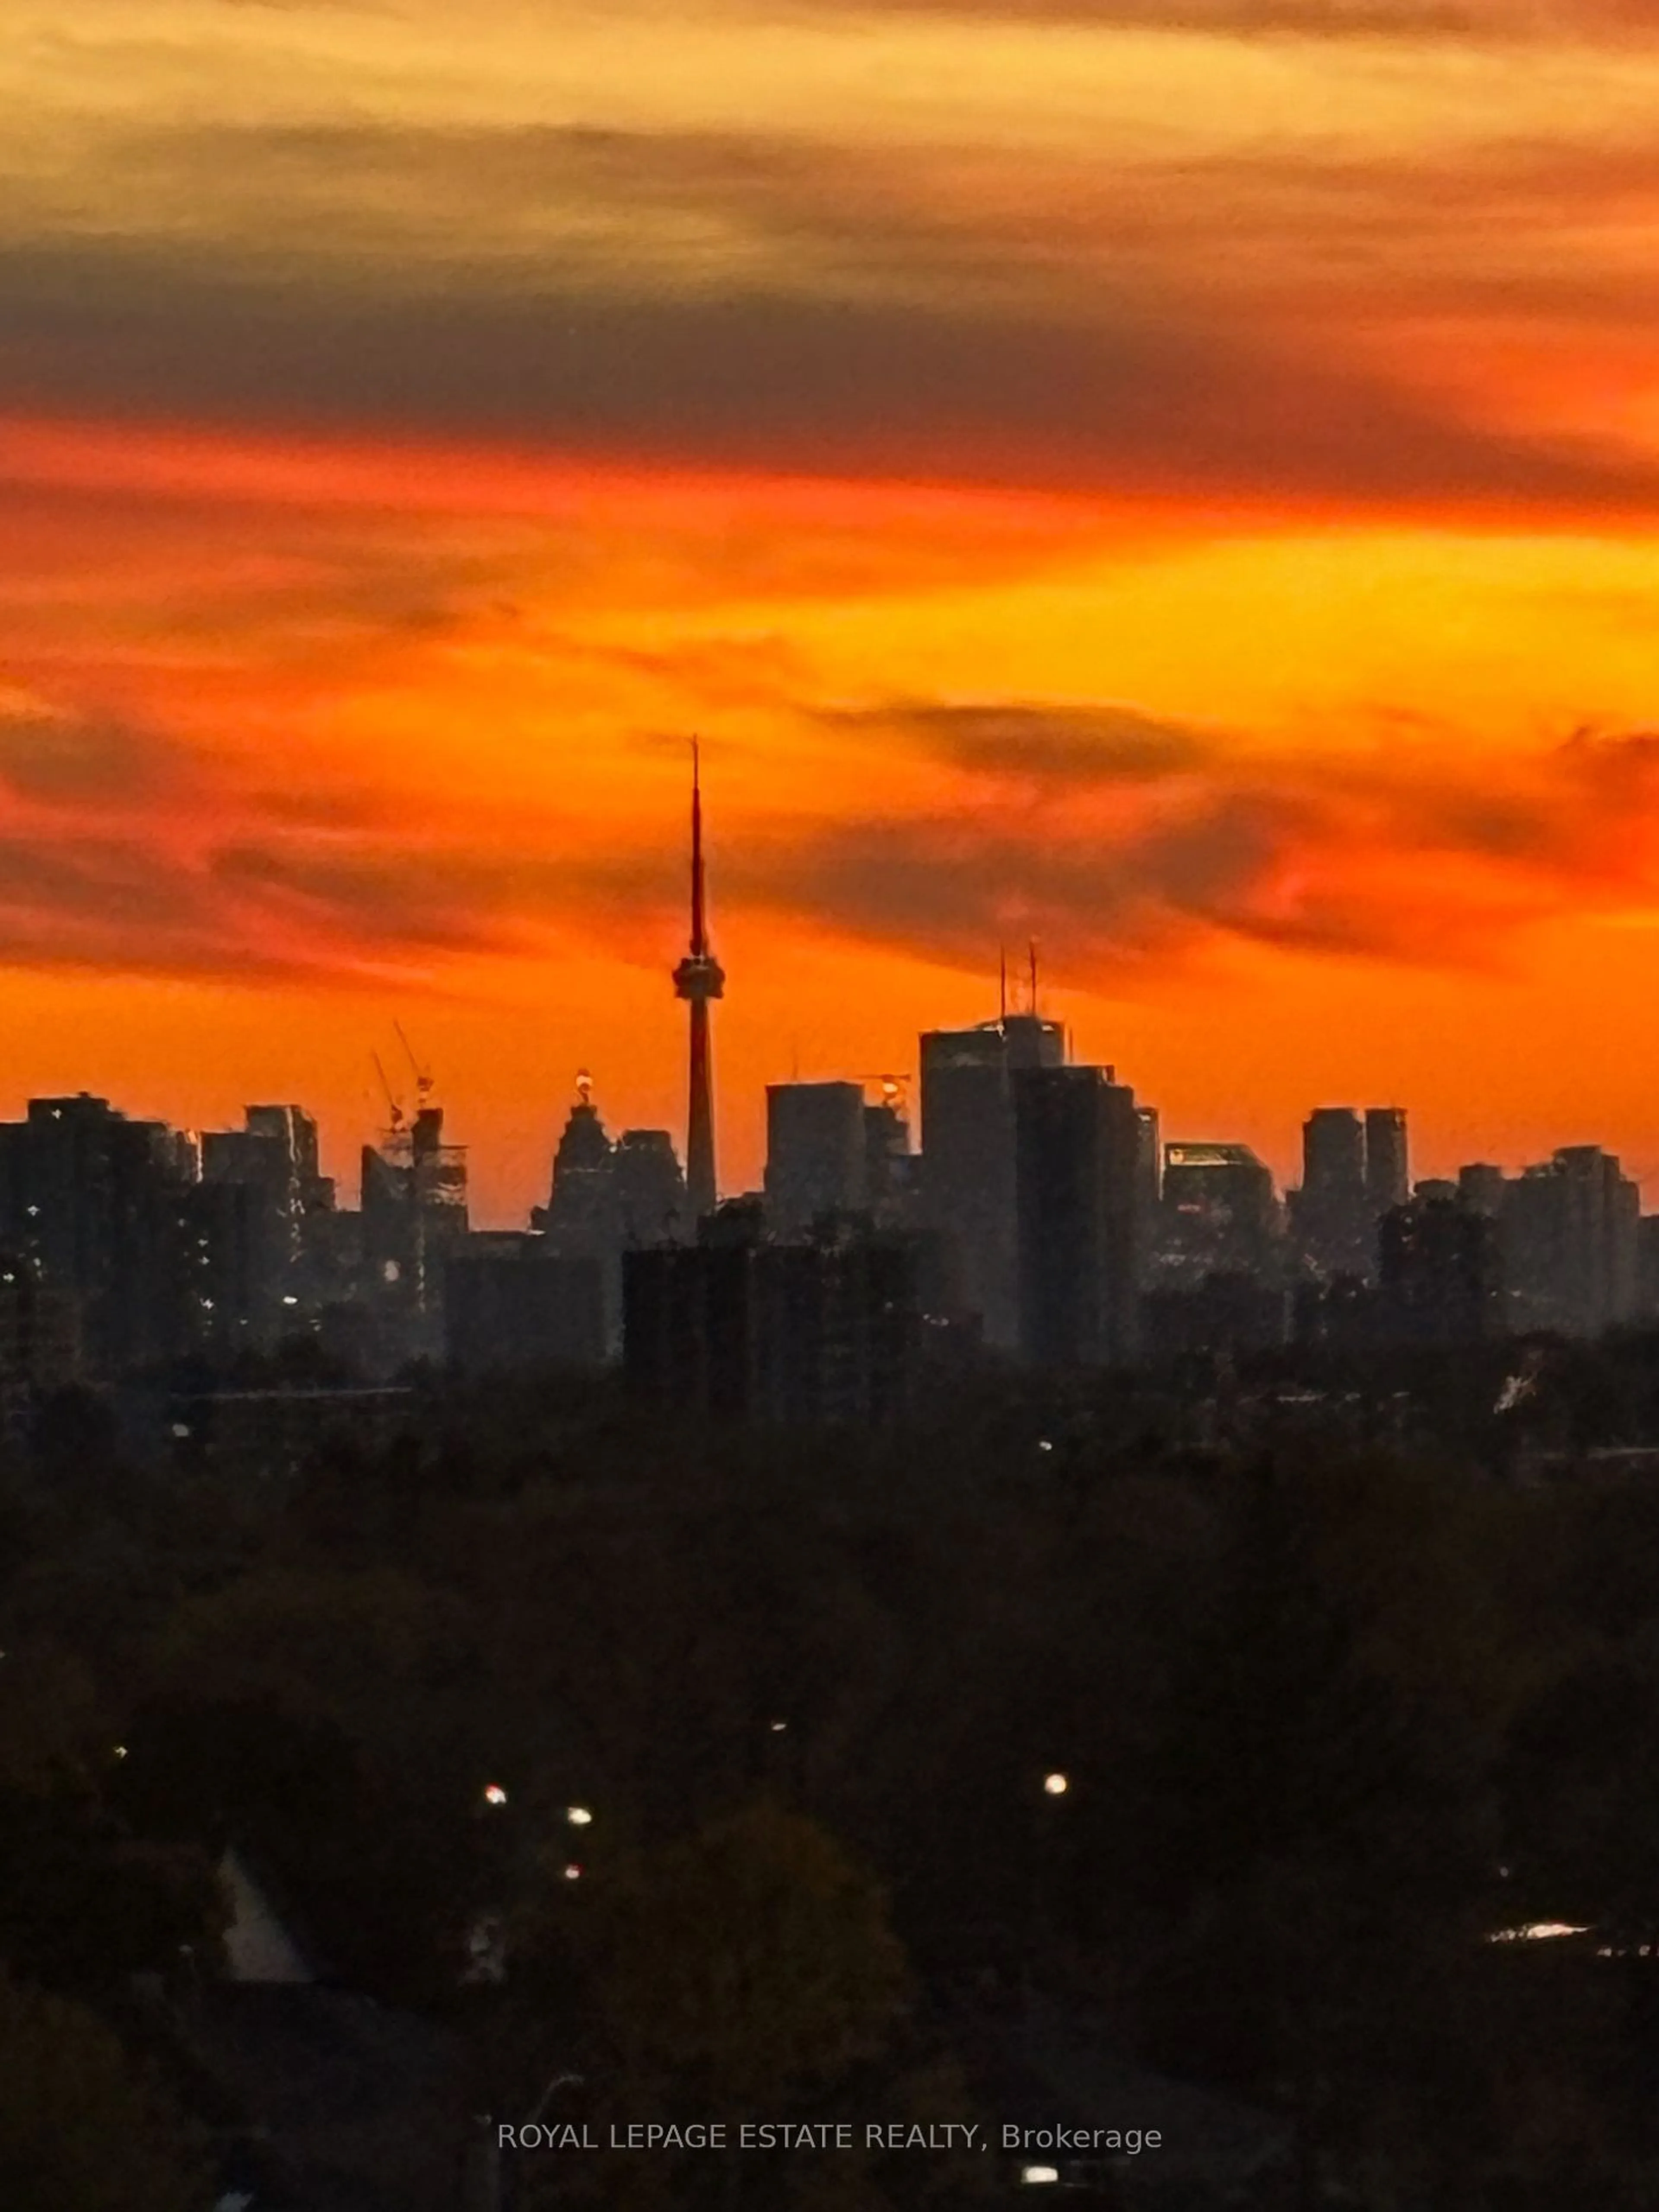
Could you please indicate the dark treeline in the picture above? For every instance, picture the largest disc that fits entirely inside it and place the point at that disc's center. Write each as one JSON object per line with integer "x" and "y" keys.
{"x": 1337, "y": 1698}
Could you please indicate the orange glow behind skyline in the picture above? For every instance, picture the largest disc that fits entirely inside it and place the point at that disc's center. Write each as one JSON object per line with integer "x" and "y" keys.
{"x": 1181, "y": 483}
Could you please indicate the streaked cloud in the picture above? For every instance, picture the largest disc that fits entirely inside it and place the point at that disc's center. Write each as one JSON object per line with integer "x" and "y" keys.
{"x": 1116, "y": 837}
{"x": 1159, "y": 474}
{"x": 1037, "y": 746}
{"x": 1408, "y": 856}
{"x": 768, "y": 382}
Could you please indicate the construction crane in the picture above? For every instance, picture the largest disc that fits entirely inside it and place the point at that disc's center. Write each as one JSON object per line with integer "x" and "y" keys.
{"x": 393, "y": 1105}
{"x": 423, "y": 1076}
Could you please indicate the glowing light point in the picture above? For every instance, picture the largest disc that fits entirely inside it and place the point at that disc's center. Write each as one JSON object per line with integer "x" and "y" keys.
{"x": 495, "y": 1794}
{"x": 1056, "y": 1785}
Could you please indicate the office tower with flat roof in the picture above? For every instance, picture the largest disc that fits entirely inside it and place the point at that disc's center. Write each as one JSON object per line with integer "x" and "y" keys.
{"x": 816, "y": 1162}
{"x": 967, "y": 1166}
{"x": 1334, "y": 1153}
{"x": 1570, "y": 1235}
{"x": 1335, "y": 1230}
{"x": 269, "y": 1280}
{"x": 94, "y": 1203}
{"x": 816, "y": 1330}
{"x": 650, "y": 1188}
{"x": 1388, "y": 1170}
{"x": 1079, "y": 1180}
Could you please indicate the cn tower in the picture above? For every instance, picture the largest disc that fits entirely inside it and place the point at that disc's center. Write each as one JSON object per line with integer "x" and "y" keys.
{"x": 698, "y": 979}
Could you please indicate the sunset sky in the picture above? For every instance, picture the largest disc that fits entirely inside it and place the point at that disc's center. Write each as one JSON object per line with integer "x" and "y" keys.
{"x": 1177, "y": 478}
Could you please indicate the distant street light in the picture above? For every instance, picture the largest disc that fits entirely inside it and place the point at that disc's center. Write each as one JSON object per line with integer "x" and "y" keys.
{"x": 1039, "y": 1930}
{"x": 495, "y": 1794}
{"x": 572, "y": 1873}
{"x": 579, "y": 1816}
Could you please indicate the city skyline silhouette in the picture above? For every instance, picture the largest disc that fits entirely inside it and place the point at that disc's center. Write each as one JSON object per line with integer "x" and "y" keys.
{"x": 1179, "y": 485}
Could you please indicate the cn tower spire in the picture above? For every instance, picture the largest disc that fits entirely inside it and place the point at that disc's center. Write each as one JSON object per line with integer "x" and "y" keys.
{"x": 697, "y": 980}
{"x": 699, "y": 916}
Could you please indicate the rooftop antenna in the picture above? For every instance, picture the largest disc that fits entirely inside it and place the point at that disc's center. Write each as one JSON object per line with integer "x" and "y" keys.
{"x": 584, "y": 1087}
{"x": 1002, "y": 983}
{"x": 1034, "y": 975}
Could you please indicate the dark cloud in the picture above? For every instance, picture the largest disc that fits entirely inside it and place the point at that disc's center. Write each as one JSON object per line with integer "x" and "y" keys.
{"x": 949, "y": 888}
{"x": 1614, "y": 764}
{"x": 908, "y": 389}
{"x": 1035, "y": 744}
{"x": 1165, "y": 842}
{"x": 124, "y": 907}
{"x": 68, "y": 760}
{"x": 242, "y": 910}
{"x": 381, "y": 897}
{"x": 934, "y": 315}
{"x": 1416, "y": 860}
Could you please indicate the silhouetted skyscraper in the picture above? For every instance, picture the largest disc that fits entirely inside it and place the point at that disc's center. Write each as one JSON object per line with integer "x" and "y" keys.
{"x": 1032, "y": 1040}
{"x": 1334, "y": 1153}
{"x": 580, "y": 1220}
{"x": 650, "y": 1187}
{"x": 1387, "y": 1174}
{"x": 1335, "y": 1230}
{"x": 739, "y": 1326}
{"x": 889, "y": 1163}
{"x": 1569, "y": 1235}
{"x": 96, "y": 1201}
{"x": 698, "y": 979}
{"x": 577, "y": 1216}
{"x": 1219, "y": 1213}
{"x": 968, "y": 1160}
{"x": 1080, "y": 1209}
{"x": 816, "y": 1160}
{"x": 265, "y": 1240}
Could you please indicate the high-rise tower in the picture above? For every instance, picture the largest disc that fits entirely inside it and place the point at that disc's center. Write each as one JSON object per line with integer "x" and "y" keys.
{"x": 698, "y": 979}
